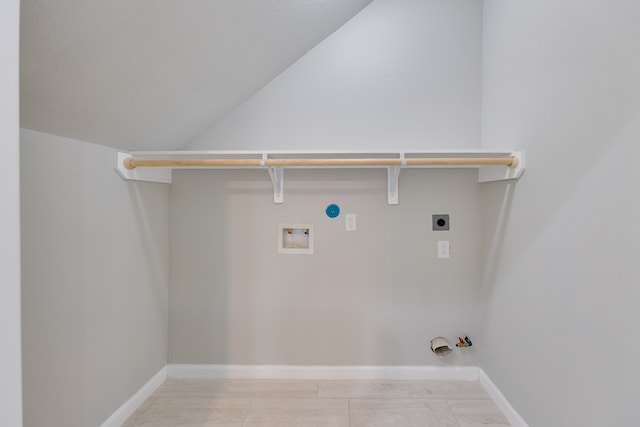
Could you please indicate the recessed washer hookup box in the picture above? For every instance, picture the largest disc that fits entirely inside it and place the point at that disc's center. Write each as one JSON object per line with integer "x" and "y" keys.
{"x": 295, "y": 238}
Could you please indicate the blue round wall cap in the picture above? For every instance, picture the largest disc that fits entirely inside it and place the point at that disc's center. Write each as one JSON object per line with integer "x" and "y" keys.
{"x": 333, "y": 210}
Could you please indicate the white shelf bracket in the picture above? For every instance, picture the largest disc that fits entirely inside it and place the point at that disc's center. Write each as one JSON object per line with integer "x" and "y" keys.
{"x": 277, "y": 178}
{"x": 160, "y": 175}
{"x": 393, "y": 173}
{"x": 496, "y": 173}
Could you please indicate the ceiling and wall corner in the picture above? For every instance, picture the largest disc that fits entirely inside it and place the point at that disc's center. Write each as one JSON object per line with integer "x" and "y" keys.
{"x": 156, "y": 74}
{"x": 402, "y": 73}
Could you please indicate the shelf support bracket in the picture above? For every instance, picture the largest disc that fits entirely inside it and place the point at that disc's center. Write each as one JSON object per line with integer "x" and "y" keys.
{"x": 494, "y": 173}
{"x": 277, "y": 178}
{"x": 393, "y": 173}
{"x": 161, "y": 175}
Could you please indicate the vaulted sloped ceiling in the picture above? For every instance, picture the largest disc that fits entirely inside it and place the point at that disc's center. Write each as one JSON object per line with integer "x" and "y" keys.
{"x": 154, "y": 74}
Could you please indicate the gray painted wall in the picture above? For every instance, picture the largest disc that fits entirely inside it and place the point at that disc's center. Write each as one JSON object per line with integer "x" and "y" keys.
{"x": 94, "y": 282}
{"x": 401, "y": 74}
{"x": 371, "y": 297}
{"x": 561, "y": 335}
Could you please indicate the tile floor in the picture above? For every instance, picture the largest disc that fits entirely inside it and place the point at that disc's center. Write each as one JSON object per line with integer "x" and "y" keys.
{"x": 313, "y": 403}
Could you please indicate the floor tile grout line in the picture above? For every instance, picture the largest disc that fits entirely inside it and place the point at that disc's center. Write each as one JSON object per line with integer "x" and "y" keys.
{"x": 244, "y": 418}
{"x": 406, "y": 384}
{"x": 451, "y": 410}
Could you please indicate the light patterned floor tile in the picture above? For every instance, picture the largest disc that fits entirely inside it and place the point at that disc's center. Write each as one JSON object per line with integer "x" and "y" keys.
{"x": 298, "y": 413}
{"x": 273, "y": 389}
{"x": 198, "y": 424}
{"x": 433, "y": 389}
{"x": 475, "y": 413}
{"x": 308, "y": 403}
{"x": 200, "y": 411}
{"x": 363, "y": 389}
{"x": 193, "y": 388}
{"x": 400, "y": 413}
{"x": 146, "y": 405}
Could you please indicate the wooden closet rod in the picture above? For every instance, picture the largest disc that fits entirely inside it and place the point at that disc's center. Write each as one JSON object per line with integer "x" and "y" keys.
{"x": 511, "y": 162}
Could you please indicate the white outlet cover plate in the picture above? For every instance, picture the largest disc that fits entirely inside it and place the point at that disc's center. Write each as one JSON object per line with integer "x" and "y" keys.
{"x": 350, "y": 222}
{"x": 443, "y": 249}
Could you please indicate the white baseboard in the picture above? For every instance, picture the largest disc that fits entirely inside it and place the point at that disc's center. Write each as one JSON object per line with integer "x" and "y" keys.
{"x": 463, "y": 373}
{"x": 129, "y": 407}
{"x": 469, "y": 373}
{"x": 509, "y": 411}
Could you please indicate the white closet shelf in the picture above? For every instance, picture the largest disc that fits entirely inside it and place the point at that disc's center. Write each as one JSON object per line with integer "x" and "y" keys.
{"x": 157, "y": 166}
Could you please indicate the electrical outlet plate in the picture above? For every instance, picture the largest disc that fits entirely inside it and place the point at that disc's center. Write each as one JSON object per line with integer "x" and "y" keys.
{"x": 350, "y": 222}
{"x": 443, "y": 249}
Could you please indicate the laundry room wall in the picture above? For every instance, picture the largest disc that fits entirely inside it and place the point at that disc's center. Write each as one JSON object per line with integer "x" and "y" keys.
{"x": 94, "y": 281}
{"x": 402, "y": 74}
{"x": 561, "y": 275}
{"x": 374, "y": 296}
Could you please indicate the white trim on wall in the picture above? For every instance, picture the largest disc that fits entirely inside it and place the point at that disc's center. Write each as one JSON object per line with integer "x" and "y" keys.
{"x": 130, "y": 406}
{"x": 10, "y": 307}
{"x": 453, "y": 373}
{"x": 465, "y": 373}
{"x": 509, "y": 411}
